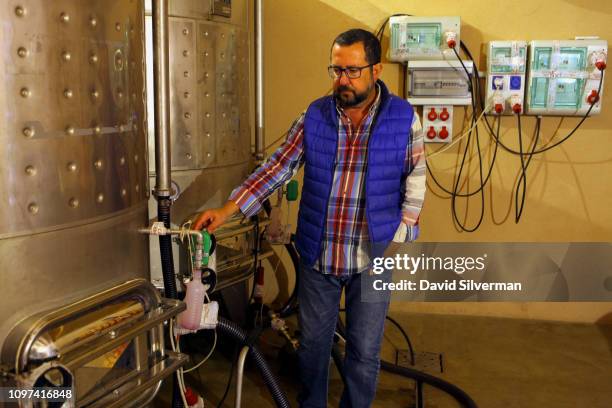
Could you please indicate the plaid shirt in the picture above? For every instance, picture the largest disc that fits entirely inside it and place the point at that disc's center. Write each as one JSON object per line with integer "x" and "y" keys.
{"x": 346, "y": 245}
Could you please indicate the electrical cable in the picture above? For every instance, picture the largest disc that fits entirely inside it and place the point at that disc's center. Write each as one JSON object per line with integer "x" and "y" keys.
{"x": 586, "y": 115}
{"x": 275, "y": 141}
{"x": 408, "y": 342}
{"x": 205, "y": 359}
{"x": 467, "y": 146}
{"x": 486, "y": 180}
{"x": 456, "y": 139}
{"x": 457, "y": 393}
{"x": 522, "y": 182}
{"x": 469, "y": 130}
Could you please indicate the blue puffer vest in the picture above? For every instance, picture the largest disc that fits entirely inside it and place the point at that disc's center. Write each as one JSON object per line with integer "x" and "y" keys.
{"x": 387, "y": 144}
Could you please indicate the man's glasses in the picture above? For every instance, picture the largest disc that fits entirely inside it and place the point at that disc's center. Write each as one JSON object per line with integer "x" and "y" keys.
{"x": 351, "y": 72}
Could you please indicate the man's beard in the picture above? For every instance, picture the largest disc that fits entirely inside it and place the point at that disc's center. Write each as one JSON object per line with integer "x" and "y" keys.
{"x": 346, "y": 97}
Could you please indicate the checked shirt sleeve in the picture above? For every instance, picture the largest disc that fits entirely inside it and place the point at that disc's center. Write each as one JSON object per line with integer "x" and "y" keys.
{"x": 413, "y": 186}
{"x": 276, "y": 171}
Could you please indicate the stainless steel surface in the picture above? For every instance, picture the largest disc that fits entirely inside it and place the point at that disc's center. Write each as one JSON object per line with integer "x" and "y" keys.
{"x": 260, "y": 135}
{"x": 74, "y": 151}
{"x": 138, "y": 392}
{"x": 240, "y": 374}
{"x": 209, "y": 89}
{"x": 210, "y": 108}
{"x": 209, "y": 95}
{"x": 43, "y": 271}
{"x": 74, "y": 178}
{"x": 237, "y": 230}
{"x": 89, "y": 337}
{"x": 69, "y": 155}
{"x": 161, "y": 97}
{"x": 239, "y": 272}
{"x": 16, "y": 350}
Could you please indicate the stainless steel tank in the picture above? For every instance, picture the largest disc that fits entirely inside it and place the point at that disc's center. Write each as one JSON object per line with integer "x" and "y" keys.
{"x": 75, "y": 186}
{"x": 211, "y": 77}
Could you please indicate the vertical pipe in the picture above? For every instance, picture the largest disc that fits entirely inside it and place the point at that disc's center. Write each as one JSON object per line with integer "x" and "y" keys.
{"x": 259, "y": 83}
{"x": 161, "y": 97}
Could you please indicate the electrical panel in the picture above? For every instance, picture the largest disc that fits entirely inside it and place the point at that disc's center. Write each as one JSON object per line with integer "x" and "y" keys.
{"x": 439, "y": 82}
{"x": 423, "y": 38}
{"x": 563, "y": 77}
{"x": 438, "y": 123}
{"x": 506, "y": 66}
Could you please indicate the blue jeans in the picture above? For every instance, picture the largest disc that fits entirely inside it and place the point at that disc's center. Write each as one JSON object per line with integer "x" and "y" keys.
{"x": 319, "y": 300}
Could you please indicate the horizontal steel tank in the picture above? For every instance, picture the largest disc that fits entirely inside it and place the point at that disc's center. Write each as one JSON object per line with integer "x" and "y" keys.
{"x": 74, "y": 181}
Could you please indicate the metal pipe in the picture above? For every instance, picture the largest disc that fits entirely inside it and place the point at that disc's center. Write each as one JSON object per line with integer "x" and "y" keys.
{"x": 240, "y": 374}
{"x": 260, "y": 135}
{"x": 161, "y": 83}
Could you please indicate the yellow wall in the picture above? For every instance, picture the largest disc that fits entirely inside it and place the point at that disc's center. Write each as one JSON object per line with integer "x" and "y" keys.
{"x": 569, "y": 192}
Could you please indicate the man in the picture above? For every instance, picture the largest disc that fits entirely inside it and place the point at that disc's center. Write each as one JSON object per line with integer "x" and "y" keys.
{"x": 364, "y": 184}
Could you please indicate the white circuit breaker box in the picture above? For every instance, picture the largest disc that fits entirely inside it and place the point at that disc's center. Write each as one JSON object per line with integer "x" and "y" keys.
{"x": 563, "y": 77}
{"x": 423, "y": 38}
{"x": 506, "y": 67}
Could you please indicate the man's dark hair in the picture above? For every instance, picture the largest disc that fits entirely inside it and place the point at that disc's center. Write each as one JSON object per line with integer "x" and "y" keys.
{"x": 371, "y": 45}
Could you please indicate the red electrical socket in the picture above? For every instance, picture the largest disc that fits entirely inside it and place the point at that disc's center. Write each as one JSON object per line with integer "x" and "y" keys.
{"x": 593, "y": 98}
{"x": 431, "y": 133}
{"x": 517, "y": 108}
{"x": 444, "y": 114}
{"x": 432, "y": 115}
{"x": 451, "y": 39}
{"x": 499, "y": 108}
{"x": 443, "y": 133}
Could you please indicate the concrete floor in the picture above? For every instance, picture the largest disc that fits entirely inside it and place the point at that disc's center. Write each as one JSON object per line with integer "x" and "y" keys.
{"x": 498, "y": 362}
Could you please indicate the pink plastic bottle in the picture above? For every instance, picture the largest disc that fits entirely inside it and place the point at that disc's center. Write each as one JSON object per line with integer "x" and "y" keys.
{"x": 194, "y": 298}
{"x": 190, "y": 318}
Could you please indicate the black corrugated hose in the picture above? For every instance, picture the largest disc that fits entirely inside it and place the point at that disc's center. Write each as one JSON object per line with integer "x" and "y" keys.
{"x": 165, "y": 249}
{"x": 451, "y": 389}
{"x": 233, "y": 330}
{"x": 167, "y": 264}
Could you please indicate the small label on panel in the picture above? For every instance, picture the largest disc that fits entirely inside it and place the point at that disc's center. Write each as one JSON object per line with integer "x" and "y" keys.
{"x": 222, "y": 8}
